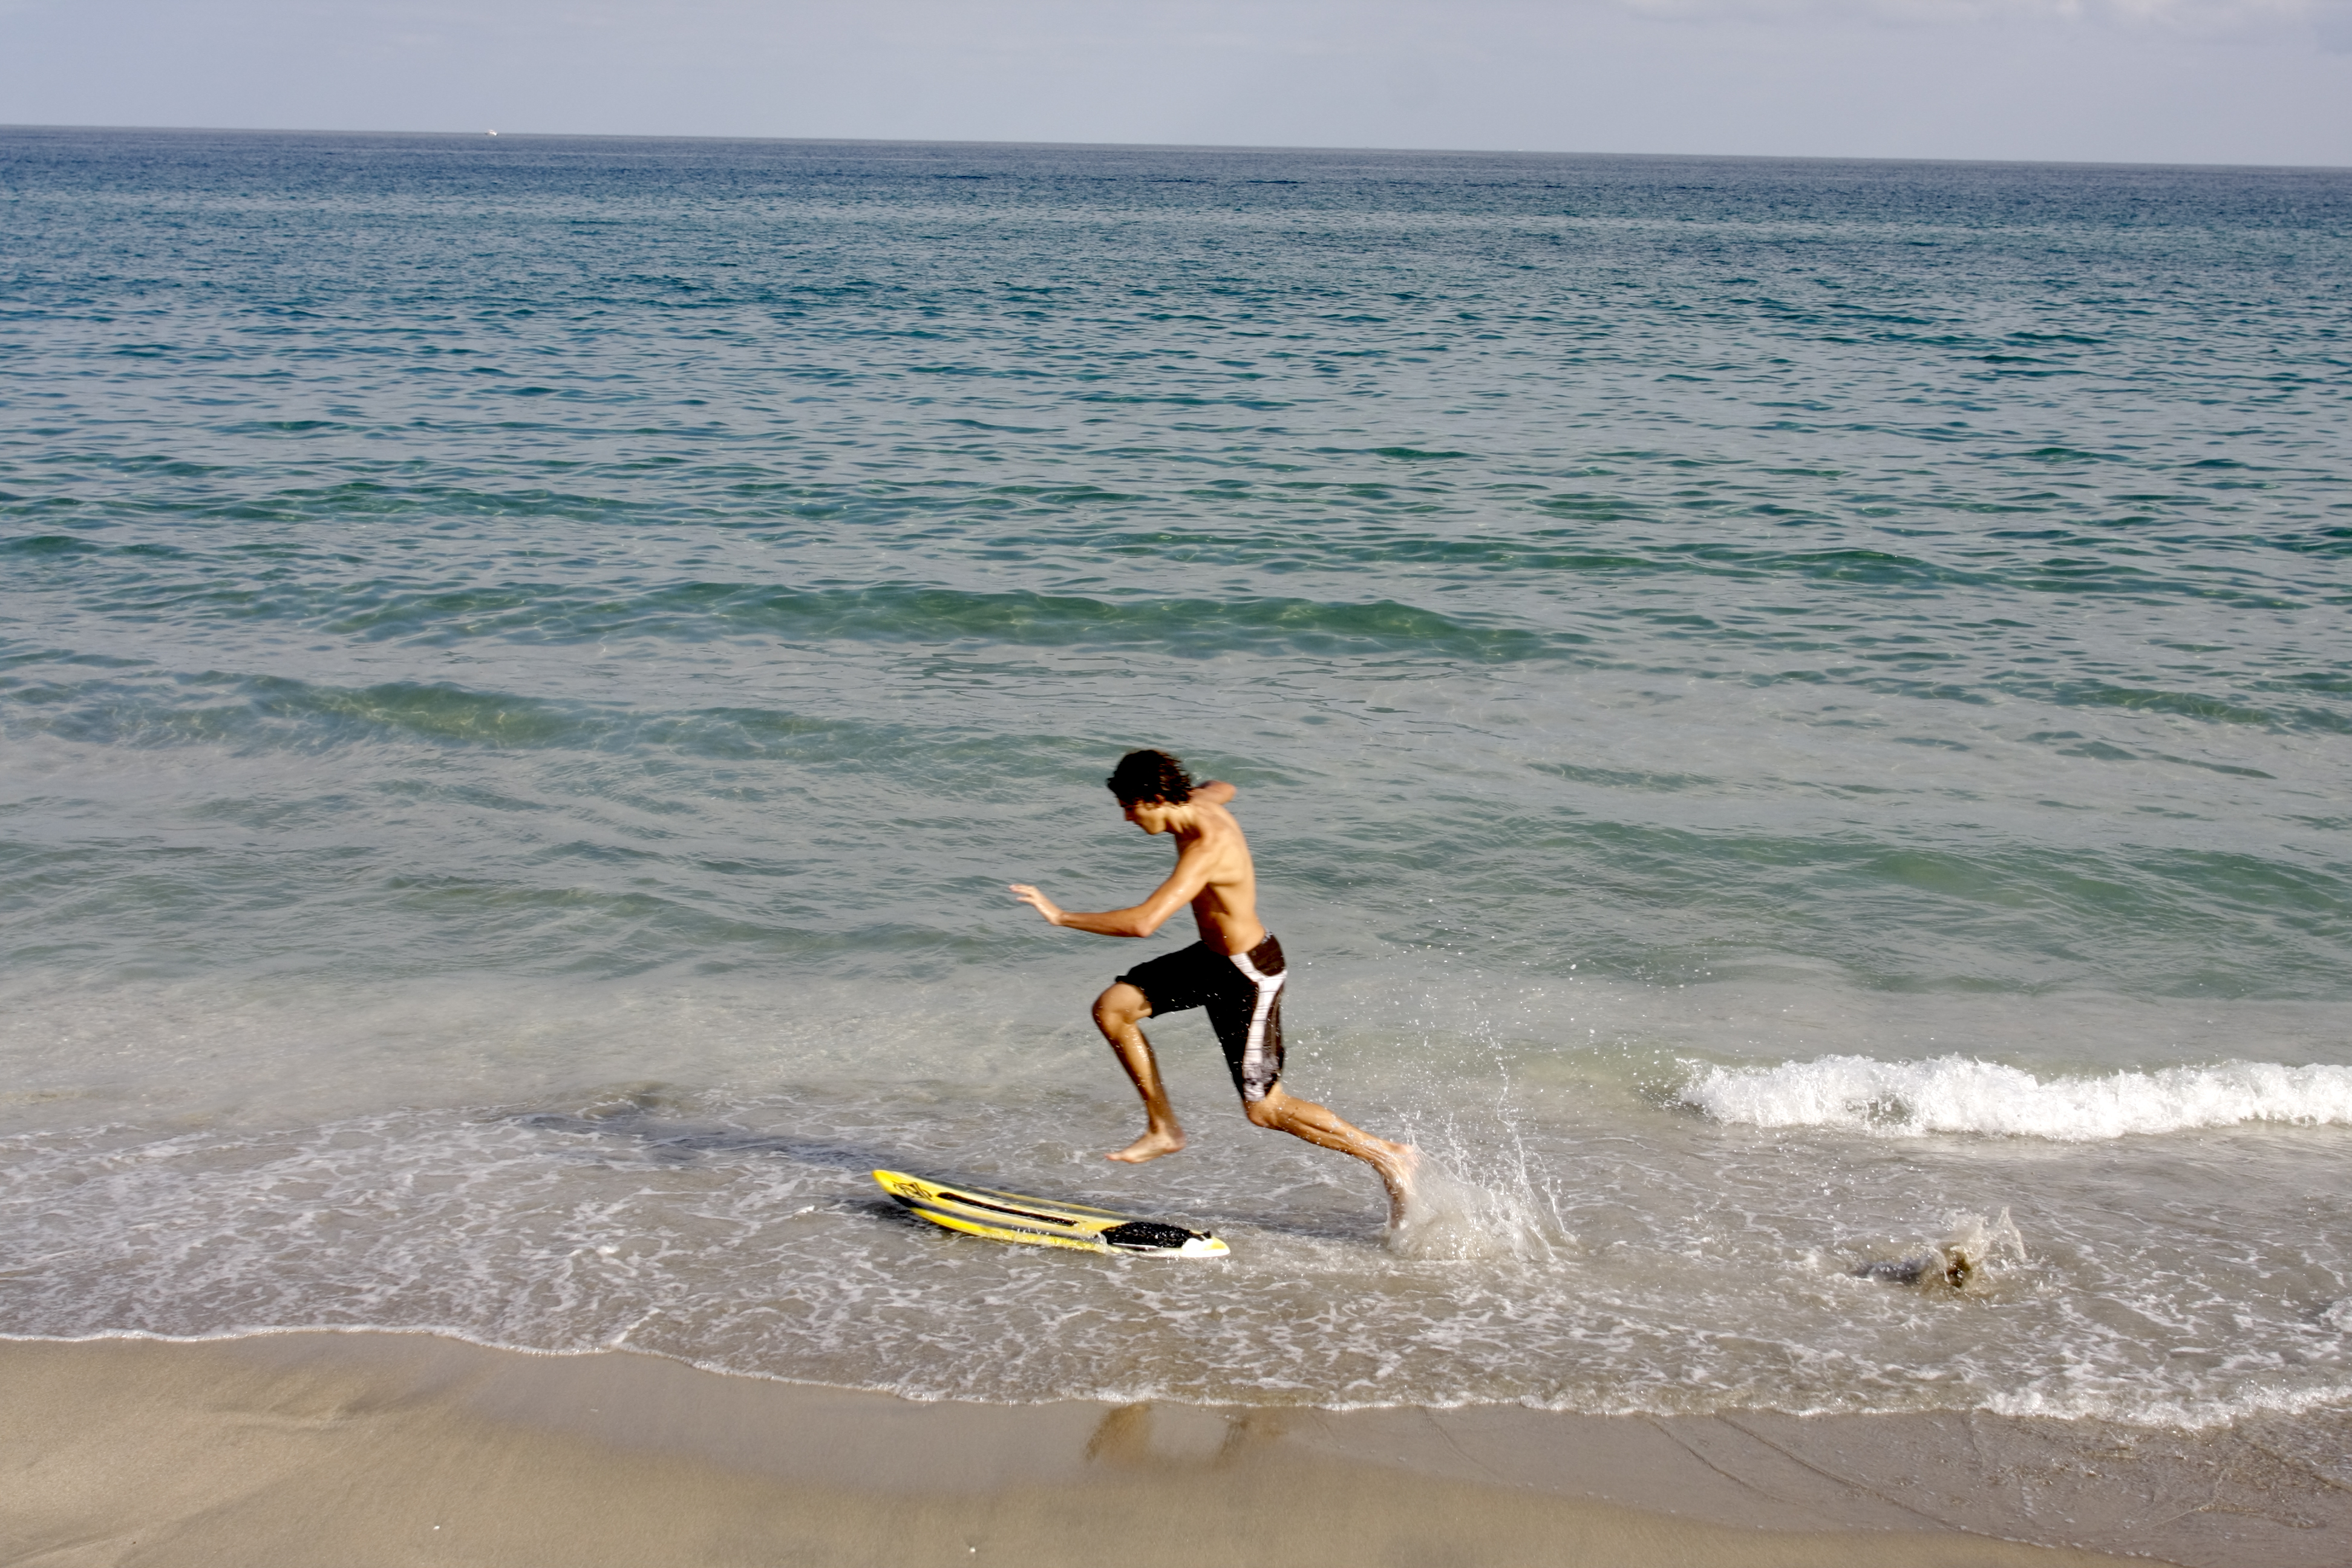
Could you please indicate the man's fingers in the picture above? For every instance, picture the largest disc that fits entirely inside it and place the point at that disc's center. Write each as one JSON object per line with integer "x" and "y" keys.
{"x": 1037, "y": 900}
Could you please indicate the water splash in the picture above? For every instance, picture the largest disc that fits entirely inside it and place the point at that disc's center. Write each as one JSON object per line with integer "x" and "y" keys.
{"x": 1448, "y": 1218}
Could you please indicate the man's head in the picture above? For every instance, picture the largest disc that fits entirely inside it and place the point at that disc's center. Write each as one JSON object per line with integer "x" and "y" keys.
{"x": 1147, "y": 784}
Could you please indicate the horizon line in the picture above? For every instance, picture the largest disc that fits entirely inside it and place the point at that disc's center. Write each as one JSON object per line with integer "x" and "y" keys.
{"x": 7, "y": 127}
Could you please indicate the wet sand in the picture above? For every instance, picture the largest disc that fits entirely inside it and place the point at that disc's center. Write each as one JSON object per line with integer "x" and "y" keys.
{"x": 359, "y": 1449}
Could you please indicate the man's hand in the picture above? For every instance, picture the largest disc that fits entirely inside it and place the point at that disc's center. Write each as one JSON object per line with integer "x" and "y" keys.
{"x": 1038, "y": 901}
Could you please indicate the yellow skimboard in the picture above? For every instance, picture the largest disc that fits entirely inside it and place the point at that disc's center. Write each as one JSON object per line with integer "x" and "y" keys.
{"x": 1009, "y": 1216}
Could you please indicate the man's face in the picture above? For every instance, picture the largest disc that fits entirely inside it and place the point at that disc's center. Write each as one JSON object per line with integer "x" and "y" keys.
{"x": 1152, "y": 815}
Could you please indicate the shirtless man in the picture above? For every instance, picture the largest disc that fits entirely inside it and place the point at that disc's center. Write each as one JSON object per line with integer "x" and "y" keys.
{"x": 1236, "y": 972}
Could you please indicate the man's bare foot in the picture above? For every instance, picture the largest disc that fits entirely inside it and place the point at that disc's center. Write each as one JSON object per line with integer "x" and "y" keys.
{"x": 1151, "y": 1146}
{"x": 1400, "y": 1162}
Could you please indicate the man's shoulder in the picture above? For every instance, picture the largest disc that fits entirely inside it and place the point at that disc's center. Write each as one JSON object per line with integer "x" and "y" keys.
{"x": 1219, "y": 827}
{"x": 1213, "y": 824}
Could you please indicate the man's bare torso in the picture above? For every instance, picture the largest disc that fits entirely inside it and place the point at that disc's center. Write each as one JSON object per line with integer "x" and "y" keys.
{"x": 1226, "y": 910}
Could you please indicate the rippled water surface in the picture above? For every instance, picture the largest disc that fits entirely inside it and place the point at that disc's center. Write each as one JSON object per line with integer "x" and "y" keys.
{"x": 1784, "y": 709}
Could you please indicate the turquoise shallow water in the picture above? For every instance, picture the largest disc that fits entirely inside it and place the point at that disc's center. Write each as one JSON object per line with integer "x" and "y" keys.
{"x": 1784, "y": 709}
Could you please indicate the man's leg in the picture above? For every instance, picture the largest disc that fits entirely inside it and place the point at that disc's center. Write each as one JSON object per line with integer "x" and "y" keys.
{"x": 1285, "y": 1112}
{"x": 1119, "y": 1012}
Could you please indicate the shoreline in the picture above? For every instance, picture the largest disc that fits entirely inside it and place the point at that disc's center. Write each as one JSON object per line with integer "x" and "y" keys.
{"x": 366, "y": 1447}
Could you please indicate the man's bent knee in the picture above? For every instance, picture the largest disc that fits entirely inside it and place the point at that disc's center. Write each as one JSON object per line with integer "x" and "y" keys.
{"x": 1268, "y": 1111}
{"x": 1119, "y": 1006}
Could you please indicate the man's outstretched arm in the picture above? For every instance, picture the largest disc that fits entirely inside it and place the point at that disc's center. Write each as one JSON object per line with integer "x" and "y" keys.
{"x": 1190, "y": 876}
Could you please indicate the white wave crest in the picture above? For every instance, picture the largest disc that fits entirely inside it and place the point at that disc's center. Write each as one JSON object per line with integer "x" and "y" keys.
{"x": 1955, "y": 1094}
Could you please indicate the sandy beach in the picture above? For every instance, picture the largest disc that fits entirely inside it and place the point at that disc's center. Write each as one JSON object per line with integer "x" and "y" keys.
{"x": 361, "y": 1448}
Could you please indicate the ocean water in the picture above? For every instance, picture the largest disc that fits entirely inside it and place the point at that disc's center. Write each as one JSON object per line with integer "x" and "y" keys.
{"x": 1792, "y": 716}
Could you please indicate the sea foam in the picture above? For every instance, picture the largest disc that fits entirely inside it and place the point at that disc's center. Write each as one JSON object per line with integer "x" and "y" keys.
{"x": 1957, "y": 1094}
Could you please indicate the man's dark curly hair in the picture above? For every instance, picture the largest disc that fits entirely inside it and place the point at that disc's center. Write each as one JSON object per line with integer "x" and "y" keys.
{"x": 1150, "y": 776}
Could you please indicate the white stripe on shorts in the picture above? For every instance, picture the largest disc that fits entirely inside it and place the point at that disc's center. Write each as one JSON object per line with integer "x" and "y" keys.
{"x": 1269, "y": 987}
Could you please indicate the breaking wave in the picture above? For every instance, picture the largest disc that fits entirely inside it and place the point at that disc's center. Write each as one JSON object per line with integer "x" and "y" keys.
{"x": 1957, "y": 1094}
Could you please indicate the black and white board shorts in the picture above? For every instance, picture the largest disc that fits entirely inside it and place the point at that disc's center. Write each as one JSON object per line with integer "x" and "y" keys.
{"x": 1241, "y": 993}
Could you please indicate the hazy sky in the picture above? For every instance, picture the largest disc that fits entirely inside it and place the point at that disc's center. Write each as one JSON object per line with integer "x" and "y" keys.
{"x": 2156, "y": 80}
